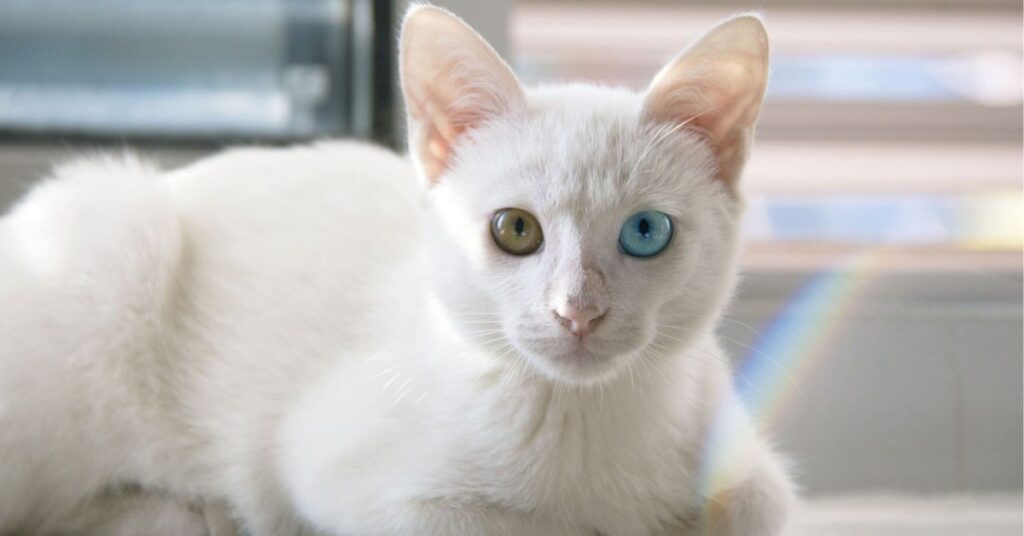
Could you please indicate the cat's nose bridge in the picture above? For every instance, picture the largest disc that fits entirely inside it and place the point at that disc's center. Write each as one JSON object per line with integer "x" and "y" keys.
{"x": 578, "y": 284}
{"x": 591, "y": 285}
{"x": 580, "y": 290}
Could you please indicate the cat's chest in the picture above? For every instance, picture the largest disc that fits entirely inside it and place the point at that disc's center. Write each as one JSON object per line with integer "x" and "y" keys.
{"x": 577, "y": 461}
{"x": 604, "y": 464}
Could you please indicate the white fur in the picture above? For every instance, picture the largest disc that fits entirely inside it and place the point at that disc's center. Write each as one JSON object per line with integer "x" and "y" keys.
{"x": 331, "y": 347}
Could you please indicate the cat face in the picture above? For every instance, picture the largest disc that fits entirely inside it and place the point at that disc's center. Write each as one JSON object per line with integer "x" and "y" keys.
{"x": 584, "y": 229}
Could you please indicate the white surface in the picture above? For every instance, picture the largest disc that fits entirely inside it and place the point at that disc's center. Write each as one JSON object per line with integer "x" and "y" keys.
{"x": 912, "y": 516}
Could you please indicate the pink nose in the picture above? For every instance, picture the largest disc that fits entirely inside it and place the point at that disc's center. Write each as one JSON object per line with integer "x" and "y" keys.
{"x": 579, "y": 322}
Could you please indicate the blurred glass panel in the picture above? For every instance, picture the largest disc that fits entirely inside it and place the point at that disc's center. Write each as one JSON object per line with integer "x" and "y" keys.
{"x": 985, "y": 78}
{"x": 253, "y": 68}
{"x": 979, "y": 222}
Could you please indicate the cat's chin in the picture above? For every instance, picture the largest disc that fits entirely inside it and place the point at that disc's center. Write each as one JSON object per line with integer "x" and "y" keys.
{"x": 577, "y": 366}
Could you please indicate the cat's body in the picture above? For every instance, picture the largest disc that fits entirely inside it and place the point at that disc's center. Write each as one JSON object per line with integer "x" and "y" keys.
{"x": 202, "y": 338}
{"x": 310, "y": 336}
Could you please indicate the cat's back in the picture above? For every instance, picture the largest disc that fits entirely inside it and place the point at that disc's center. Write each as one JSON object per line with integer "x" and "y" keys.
{"x": 293, "y": 238}
{"x": 267, "y": 208}
{"x": 267, "y": 223}
{"x": 324, "y": 183}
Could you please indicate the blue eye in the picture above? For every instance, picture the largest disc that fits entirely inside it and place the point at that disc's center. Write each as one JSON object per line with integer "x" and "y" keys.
{"x": 646, "y": 233}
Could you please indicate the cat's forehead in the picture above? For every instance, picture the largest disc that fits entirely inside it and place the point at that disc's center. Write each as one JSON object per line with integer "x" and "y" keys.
{"x": 586, "y": 150}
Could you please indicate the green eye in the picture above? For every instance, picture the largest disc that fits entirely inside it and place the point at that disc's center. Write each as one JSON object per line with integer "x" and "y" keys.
{"x": 516, "y": 231}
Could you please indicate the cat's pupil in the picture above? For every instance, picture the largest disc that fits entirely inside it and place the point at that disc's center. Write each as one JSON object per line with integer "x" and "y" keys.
{"x": 644, "y": 227}
{"x": 520, "y": 225}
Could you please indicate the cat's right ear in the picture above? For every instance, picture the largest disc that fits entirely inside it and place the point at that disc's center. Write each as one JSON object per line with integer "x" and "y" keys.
{"x": 452, "y": 81}
{"x": 716, "y": 86}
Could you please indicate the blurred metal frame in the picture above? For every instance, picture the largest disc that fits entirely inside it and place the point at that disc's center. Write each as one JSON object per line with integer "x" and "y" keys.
{"x": 372, "y": 79}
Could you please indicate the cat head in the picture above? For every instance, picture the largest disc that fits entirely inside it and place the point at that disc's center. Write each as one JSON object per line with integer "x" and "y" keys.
{"x": 580, "y": 228}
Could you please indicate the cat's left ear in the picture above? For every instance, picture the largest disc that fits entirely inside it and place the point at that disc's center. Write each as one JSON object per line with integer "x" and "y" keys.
{"x": 716, "y": 85}
{"x": 452, "y": 81}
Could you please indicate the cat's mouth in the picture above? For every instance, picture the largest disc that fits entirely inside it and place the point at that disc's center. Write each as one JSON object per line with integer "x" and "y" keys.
{"x": 570, "y": 360}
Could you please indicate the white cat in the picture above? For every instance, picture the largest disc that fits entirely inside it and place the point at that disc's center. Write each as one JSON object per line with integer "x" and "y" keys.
{"x": 518, "y": 342}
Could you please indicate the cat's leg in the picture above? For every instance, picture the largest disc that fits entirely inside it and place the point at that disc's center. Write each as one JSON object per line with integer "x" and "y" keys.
{"x": 760, "y": 505}
{"x": 743, "y": 486}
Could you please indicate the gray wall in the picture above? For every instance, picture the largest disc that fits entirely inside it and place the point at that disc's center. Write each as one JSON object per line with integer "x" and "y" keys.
{"x": 916, "y": 385}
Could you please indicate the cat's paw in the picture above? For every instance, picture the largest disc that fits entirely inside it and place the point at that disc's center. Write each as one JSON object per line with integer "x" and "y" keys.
{"x": 759, "y": 506}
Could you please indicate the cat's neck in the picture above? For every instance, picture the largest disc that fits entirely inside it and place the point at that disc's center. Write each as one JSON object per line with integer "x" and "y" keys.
{"x": 501, "y": 395}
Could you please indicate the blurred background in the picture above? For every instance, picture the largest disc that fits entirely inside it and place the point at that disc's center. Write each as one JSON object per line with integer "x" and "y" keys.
{"x": 878, "y": 330}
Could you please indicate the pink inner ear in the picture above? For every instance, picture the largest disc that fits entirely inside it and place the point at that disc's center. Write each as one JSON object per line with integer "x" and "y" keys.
{"x": 716, "y": 87}
{"x": 448, "y": 109}
{"x": 701, "y": 119}
{"x": 438, "y": 133}
{"x": 718, "y": 101}
{"x": 452, "y": 81}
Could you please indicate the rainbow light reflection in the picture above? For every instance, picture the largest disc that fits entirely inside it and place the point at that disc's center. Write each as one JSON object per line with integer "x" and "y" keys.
{"x": 768, "y": 375}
